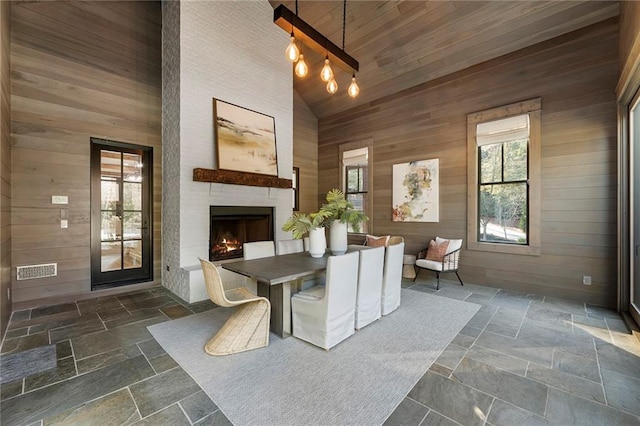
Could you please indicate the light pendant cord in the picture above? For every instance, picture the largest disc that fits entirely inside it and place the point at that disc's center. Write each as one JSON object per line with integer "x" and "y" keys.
{"x": 344, "y": 20}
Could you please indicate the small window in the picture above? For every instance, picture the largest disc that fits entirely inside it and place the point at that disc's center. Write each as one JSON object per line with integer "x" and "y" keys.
{"x": 355, "y": 165}
{"x": 504, "y": 179}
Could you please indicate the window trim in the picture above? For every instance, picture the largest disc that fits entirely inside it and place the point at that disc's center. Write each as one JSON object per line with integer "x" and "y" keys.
{"x": 368, "y": 143}
{"x": 533, "y": 108}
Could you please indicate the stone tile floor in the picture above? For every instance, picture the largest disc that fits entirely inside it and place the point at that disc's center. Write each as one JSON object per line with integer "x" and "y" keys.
{"x": 521, "y": 360}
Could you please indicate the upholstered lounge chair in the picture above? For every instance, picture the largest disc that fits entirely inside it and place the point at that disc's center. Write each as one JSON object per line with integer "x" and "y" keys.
{"x": 448, "y": 263}
{"x": 248, "y": 326}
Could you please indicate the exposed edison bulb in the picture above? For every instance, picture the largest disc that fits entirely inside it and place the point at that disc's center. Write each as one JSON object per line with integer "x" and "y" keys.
{"x": 353, "y": 89}
{"x": 301, "y": 67}
{"x": 327, "y": 73}
{"x": 292, "y": 51}
{"x": 332, "y": 86}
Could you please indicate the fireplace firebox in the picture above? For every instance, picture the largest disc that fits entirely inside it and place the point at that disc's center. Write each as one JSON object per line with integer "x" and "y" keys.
{"x": 232, "y": 226}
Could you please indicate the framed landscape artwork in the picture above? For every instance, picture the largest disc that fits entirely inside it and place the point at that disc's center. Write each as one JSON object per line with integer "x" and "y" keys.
{"x": 415, "y": 191}
{"x": 246, "y": 139}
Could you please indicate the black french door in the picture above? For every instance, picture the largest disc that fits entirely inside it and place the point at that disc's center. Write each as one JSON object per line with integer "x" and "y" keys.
{"x": 121, "y": 225}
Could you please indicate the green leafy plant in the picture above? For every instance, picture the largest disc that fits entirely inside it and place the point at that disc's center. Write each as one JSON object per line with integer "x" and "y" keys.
{"x": 336, "y": 208}
{"x": 299, "y": 224}
{"x": 342, "y": 210}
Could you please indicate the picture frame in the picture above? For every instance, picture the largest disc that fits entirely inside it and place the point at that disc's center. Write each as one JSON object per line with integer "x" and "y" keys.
{"x": 416, "y": 191}
{"x": 245, "y": 139}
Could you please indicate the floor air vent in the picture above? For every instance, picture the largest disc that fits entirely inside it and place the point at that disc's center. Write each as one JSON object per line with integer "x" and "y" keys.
{"x": 37, "y": 271}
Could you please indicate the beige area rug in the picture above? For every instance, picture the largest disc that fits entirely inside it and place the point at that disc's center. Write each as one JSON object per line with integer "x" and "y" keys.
{"x": 358, "y": 382}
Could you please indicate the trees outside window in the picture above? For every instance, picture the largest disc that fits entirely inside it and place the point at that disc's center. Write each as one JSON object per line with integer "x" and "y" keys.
{"x": 503, "y": 192}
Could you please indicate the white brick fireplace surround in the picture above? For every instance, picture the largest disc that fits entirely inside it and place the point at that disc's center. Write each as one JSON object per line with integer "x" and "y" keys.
{"x": 234, "y": 52}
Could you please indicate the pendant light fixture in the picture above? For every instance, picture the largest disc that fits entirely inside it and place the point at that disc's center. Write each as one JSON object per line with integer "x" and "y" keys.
{"x": 332, "y": 86}
{"x": 292, "y": 23}
{"x": 326, "y": 74}
{"x": 292, "y": 53}
{"x": 353, "y": 89}
{"x": 301, "y": 67}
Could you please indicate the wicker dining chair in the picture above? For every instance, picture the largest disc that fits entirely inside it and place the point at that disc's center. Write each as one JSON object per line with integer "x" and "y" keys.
{"x": 248, "y": 326}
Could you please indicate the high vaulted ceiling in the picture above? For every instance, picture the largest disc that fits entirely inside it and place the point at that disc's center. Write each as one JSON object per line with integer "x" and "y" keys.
{"x": 400, "y": 44}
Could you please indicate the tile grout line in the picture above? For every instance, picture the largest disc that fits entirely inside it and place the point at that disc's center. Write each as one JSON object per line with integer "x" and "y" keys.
{"x": 429, "y": 410}
{"x": 523, "y": 317}
{"x": 486, "y": 417}
{"x": 135, "y": 404}
{"x": 604, "y": 390}
{"x": 185, "y": 413}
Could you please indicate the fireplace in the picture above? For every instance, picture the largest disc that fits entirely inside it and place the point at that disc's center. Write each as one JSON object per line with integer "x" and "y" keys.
{"x": 231, "y": 226}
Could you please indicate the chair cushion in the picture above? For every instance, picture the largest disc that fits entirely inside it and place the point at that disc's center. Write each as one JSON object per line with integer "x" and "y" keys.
{"x": 453, "y": 244}
{"x": 306, "y": 296}
{"x": 436, "y": 251}
{"x": 315, "y": 292}
{"x": 429, "y": 264}
{"x": 373, "y": 241}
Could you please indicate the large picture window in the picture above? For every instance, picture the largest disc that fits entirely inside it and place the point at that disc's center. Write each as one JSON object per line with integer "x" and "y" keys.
{"x": 504, "y": 179}
{"x": 503, "y": 188}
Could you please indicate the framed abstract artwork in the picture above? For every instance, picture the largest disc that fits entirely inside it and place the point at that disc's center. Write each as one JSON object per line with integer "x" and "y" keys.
{"x": 245, "y": 139}
{"x": 415, "y": 191}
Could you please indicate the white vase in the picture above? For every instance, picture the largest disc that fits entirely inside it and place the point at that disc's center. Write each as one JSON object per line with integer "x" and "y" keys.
{"x": 317, "y": 242}
{"x": 338, "y": 238}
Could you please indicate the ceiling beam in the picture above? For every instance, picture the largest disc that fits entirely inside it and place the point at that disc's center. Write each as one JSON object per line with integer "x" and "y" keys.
{"x": 304, "y": 32}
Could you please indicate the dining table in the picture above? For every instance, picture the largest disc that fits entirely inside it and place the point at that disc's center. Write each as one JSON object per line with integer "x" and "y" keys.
{"x": 277, "y": 277}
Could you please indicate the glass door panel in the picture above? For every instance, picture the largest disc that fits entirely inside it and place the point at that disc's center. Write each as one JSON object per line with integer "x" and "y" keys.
{"x": 634, "y": 133}
{"x": 123, "y": 241}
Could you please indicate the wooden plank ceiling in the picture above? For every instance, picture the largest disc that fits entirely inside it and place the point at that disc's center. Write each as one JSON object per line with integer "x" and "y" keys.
{"x": 401, "y": 44}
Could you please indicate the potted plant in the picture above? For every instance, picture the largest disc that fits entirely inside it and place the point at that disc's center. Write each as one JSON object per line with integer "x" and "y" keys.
{"x": 342, "y": 215}
{"x": 313, "y": 224}
{"x": 337, "y": 213}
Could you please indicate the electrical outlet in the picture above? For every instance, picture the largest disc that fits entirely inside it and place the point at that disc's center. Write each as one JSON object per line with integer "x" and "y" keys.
{"x": 9, "y": 293}
{"x": 586, "y": 279}
{"x": 168, "y": 269}
{"x": 59, "y": 199}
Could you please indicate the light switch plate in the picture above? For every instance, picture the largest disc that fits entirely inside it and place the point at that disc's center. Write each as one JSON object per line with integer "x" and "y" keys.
{"x": 64, "y": 223}
{"x": 59, "y": 199}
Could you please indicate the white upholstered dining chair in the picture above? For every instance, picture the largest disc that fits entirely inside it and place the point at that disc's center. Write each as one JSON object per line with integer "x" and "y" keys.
{"x": 324, "y": 315}
{"x": 392, "y": 277}
{"x": 368, "y": 299}
{"x": 290, "y": 246}
{"x": 258, "y": 249}
{"x": 248, "y": 326}
{"x": 297, "y": 246}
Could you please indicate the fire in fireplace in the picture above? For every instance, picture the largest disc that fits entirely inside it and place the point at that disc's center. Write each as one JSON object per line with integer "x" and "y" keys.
{"x": 231, "y": 226}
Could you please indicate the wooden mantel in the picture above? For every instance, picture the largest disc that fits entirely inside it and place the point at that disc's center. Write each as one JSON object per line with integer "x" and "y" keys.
{"x": 240, "y": 178}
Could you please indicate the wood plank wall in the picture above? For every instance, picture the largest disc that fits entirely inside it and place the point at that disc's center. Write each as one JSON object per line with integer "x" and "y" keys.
{"x": 79, "y": 69}
{"x": 629, "y": 54}
{"x": 305, "y": 153}
{"x": 5, "y": 164}
{"x": 575, "y": 75}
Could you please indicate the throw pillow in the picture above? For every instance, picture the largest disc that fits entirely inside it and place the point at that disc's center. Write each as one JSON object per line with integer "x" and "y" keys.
{"x": 373, "y": 241}
{"x": 437, "y": 251}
